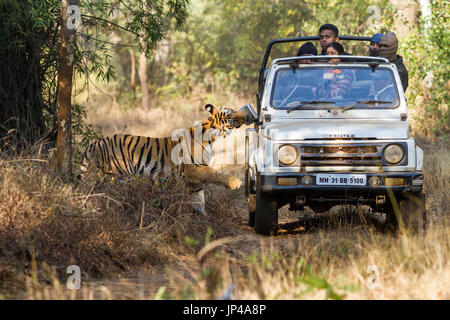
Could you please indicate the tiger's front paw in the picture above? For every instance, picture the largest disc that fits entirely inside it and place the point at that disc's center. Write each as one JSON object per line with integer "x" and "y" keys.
{"x": 234, "y": 183}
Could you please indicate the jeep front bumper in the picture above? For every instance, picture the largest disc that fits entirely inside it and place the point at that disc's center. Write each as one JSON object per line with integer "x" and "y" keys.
{"x": 409, "y": 182}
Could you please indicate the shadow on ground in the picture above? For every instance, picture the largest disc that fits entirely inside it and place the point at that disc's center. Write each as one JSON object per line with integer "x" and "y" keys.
{"x": 337, "y": 217}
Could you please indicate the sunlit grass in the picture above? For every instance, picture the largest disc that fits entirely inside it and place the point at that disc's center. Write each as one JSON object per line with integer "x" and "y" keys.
{"x": 105, "y": 225}
{"x": 133, "y": 240}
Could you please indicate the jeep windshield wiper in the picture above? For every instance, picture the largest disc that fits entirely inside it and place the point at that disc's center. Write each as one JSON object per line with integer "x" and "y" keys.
{"x": 367, "y": 102}
{"x": 304, "y": 103}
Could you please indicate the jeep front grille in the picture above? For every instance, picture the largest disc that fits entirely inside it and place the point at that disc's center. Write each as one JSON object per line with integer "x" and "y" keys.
{"x": 341, "y": 155}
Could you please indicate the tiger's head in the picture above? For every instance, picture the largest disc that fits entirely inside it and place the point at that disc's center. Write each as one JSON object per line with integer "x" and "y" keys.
{"x": 222, "y": 120}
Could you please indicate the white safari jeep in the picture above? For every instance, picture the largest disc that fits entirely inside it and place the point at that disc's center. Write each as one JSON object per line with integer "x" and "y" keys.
{"x": 332, "y": 133}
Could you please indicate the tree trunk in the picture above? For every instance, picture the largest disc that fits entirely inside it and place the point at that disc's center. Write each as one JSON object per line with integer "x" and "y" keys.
{"x": 406, "y": 16}
{"x": 133, "y": 68}
{"x": 21, "y": 102}
{"x": 65, "y": 72}
{"x": 143, "y": 79}
{"x": 425, "y": 8}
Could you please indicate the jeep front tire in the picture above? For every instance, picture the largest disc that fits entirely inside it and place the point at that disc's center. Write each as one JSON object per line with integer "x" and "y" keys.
{"x": 266, "y": 213}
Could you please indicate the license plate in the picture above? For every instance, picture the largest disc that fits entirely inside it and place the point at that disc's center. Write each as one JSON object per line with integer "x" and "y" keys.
{"x": 341, "y": 179}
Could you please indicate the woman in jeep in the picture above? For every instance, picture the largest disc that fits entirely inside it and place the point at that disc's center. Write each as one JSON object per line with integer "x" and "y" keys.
{"x": 336, "y": 82}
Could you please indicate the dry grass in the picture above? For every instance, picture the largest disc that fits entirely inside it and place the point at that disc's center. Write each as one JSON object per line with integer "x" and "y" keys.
{"x": 341, "y": 260}
{"x": 105, "y": 225}
{"x": 348, "y": 262}
{"x": 134, "y": 240}
{"x": 335, "y": 260}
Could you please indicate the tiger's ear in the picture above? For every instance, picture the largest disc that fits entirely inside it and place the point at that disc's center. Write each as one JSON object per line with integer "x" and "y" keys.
{"x": 210, "y": 108}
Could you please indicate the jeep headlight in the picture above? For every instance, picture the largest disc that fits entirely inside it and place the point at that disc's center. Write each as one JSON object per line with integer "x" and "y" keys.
{"x": 287, "y": 154}
{"x": 394, "y": 153}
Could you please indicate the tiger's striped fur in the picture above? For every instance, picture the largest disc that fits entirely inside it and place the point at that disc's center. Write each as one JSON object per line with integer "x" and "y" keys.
{"x": 152, "y": 157}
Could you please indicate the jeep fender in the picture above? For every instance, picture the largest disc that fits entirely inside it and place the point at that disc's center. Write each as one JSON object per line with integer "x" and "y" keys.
{"x": 419, "y": 158}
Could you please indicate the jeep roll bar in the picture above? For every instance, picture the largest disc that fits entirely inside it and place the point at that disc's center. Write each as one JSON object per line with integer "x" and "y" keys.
{"x": 351, "y": 59}
{"x": 285, "y": 40}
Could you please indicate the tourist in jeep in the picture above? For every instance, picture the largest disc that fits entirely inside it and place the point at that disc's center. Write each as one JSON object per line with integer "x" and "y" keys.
{"x": 329, "y": 34}
{"x": 307, "y": 49}
{"x": 335, "y": 49}
{"x": 374, "y": 44}
{"x": 388, "y": 49}
{"x": 336, "y": 82}
{"x": 383, "y": 89}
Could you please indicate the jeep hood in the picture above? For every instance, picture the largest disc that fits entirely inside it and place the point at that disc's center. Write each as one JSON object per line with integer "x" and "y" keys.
{"x": 351, "y": 128}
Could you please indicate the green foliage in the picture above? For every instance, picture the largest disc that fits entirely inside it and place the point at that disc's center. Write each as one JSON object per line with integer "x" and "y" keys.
{"x": 105, "y": 22}
{"x": 191, "y": 241}
{"x": 208, "y": 235}
{"x": 81, "y": 131}
{"x": 305, "y": 275}
{"x": 29, "y": 50}
{"x": 186, "y": 292}
{"x": 28, "y": 55}
{"x": 428, "y": 53}
{"x": 223, "y": 42}
{"x": 315, "y": 282}
{"x": 156, "y": 203}
{"x": 162, "y": 294}
{"x": 301, "y": 273}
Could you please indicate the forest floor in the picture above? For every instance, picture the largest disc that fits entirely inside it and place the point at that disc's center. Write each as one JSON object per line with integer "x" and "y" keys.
{"x": 293, "y": 226}
{"x": 364, "y": 262}
{"x": 133, "y": 240}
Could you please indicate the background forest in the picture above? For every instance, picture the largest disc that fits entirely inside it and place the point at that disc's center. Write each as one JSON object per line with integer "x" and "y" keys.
{"x": 218, "y": 52}
{"x": 150, "y": 54}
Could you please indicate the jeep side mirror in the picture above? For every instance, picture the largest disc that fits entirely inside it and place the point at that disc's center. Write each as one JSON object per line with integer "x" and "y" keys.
{"x": 250, "y": 113}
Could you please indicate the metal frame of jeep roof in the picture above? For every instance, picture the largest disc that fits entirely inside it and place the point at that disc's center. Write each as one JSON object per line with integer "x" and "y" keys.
{"x": 297, "y": 39}
{"x": 351, "y": 59}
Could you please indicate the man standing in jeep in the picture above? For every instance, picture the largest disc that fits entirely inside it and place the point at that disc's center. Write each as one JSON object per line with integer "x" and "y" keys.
{"x": 329, "y": 33}
{"x": 388, "y": 49}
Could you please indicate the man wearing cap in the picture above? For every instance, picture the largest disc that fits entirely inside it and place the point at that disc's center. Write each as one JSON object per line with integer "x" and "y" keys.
{"x": 388, "y": 49}
{"x": 374, "y": 44}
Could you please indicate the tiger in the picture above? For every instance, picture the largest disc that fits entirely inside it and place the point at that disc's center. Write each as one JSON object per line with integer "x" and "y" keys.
{"x": 156, "y": 158}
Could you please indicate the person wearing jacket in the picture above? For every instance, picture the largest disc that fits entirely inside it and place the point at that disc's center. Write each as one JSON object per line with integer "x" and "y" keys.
{"x": 388, "y": 49}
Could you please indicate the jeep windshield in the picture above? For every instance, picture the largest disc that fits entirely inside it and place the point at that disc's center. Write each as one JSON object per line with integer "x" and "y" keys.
{"x": 332, "y": 87}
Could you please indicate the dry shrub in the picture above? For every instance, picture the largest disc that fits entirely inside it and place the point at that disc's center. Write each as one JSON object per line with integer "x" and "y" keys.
{"x": 348, "y": 263}
{"x": 437, "y": 178}
{"x": 103, "y": 224}
{"x": 337, "y": 258}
